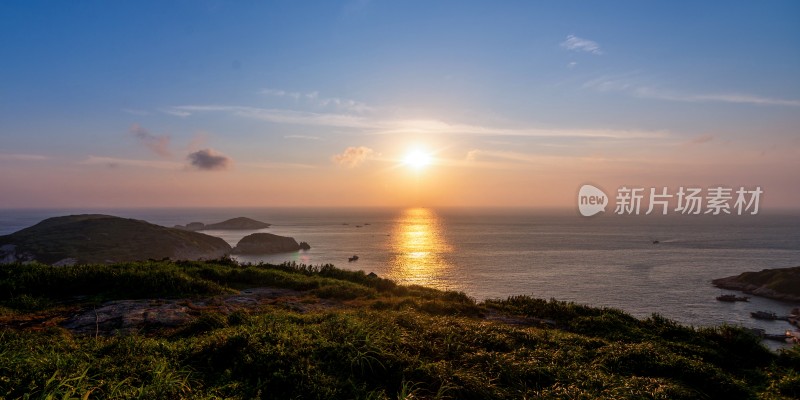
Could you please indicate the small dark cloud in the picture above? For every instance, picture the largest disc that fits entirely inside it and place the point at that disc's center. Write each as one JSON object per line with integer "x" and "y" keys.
{"x": 157, "y": 144}
{"x": 208, "y": 159}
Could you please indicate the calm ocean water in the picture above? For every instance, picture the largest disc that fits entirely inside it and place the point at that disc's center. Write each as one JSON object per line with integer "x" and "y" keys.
{"x": 602, "y": 261}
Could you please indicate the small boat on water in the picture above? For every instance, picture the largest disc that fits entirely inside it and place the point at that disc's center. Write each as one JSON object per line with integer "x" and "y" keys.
{"x": 353, "y": 258}
{"x": 732, "y": 298}
{"x": 656, "y": 242}
{"x": 768, "y": 315}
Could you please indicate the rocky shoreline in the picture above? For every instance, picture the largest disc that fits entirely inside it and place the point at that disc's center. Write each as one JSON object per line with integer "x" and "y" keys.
{"x": 778, "y": 284}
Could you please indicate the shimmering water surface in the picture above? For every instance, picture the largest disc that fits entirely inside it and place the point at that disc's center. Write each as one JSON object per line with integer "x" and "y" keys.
{"x": 602, "y": 261}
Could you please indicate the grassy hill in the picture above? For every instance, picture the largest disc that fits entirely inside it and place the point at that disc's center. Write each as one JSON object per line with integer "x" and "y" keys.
{"x": 777, "y": 283}
{"x": 94, "y": 238}
{"x": 345, "y": 334}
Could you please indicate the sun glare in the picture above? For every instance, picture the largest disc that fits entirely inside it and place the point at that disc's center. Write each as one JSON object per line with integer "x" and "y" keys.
{"x": 417, "y": 159}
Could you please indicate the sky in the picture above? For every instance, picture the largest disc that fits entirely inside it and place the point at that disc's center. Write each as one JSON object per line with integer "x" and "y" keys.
{"x": 285, "y": 103}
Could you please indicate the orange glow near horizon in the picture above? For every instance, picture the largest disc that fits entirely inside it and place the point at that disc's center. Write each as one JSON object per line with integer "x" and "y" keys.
{"x": 419, "y": 248}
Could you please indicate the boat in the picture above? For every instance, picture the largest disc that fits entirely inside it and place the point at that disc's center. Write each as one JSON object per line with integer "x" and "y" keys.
{"x": 768, "y": 315}
{"x": 353, "y": 258}
{"x": 732, "y": 298}
{"x": 656, "y": 242}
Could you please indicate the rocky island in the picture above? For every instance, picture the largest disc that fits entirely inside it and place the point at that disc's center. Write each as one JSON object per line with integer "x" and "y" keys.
{"x": 239, "y": 223}
{"x": 267, "y": 243}
{"x": 778, "y": 283}
{"x": 95, "y": 238}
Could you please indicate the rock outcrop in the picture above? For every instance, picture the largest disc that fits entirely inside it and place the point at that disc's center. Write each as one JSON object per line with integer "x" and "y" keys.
{"x": 779, "y": 283}
{"x": 267, "y": 243}
{"x": 94, "y": 238}
{"x": 128, "y": 316}
{"x": 239, "y": 223}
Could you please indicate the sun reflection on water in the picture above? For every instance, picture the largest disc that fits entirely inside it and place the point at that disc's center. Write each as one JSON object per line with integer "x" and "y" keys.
{"x": 419, "y": 249}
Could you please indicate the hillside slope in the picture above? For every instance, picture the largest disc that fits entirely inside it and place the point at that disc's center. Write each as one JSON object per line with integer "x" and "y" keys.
{"x": 95, "y": 238}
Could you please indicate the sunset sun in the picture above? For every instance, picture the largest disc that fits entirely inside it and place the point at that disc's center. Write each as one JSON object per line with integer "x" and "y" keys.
{"x": 417, "y": 159}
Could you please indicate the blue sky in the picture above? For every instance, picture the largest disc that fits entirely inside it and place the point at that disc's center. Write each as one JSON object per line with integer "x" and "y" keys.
{"x": 117, "y": 99}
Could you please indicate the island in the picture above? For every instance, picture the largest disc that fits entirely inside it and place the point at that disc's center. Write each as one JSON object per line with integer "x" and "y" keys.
{"x": 103, "y": 239}
{"x": 268, "y": 243}
{"x": 778, "y": 283}
{"x": 238, "y": 223}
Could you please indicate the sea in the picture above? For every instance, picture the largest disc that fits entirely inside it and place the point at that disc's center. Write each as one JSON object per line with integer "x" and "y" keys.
{"x": 603, "y": 261}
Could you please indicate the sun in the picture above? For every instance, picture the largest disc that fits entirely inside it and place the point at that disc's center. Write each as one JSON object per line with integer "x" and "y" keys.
{"x": 417, "y": 159}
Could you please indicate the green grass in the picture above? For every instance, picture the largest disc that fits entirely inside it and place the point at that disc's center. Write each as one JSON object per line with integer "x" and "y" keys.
{"x": 393, "y": 342}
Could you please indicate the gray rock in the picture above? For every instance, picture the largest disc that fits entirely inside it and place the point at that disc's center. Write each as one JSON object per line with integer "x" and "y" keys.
{"x": 65, "y": 262}
{"x": 9, "y": 254}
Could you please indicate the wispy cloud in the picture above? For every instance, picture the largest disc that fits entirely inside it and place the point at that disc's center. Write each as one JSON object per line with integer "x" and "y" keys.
{"x": 442, "y": 128}
{"x": 701, "y": 139}
{"x": 282, "y": 116}
{"x": 157, "y": 144}
{"x": 484, "y": 158}
{"x": 22, "y": 157}
{"x": 483, "y": 155}
{"x": 134, "y": 111}
{"x": 113, "y": 162}
{"x": 377, "y": 125}
{"x": 209, "y": 160}
{"x": 302, "y": 137}
{"x": 575, "y": 43}
{"x": 315, "y": 99}
{"x": 176, "y": 113}
{"x": 278, "y": 165}
{"x": 745, "y": 99}
{"x": 631, "y": 86}
{"x": 353, "y": 156}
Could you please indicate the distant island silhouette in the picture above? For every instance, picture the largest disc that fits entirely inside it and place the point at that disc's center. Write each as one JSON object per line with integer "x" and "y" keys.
{"x": 238, "y": 223}
{"x": 104, "y": 239}
{"x": 96, "y": 238}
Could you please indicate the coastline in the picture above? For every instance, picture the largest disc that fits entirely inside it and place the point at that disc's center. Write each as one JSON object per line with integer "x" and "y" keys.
{"x": 765, "y": 283}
